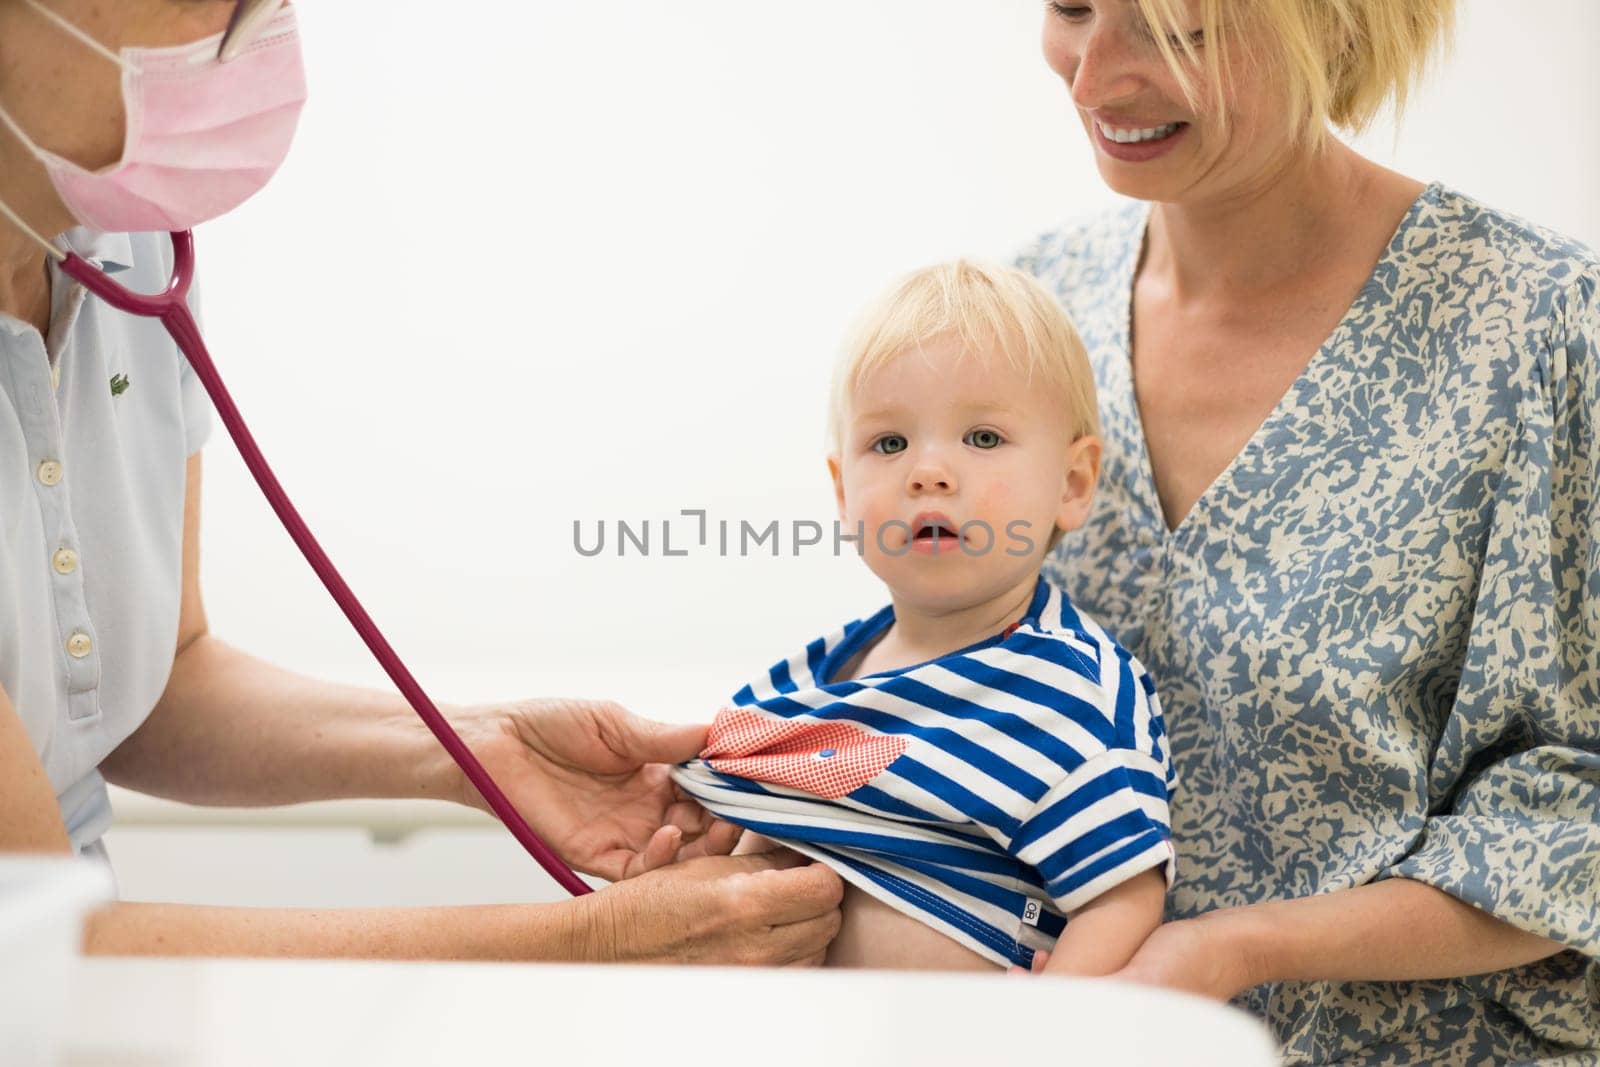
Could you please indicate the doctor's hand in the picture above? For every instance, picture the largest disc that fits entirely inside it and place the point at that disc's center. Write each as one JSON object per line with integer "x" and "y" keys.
{"x": 592, "y": 780}
{"x": 773, "y": 908}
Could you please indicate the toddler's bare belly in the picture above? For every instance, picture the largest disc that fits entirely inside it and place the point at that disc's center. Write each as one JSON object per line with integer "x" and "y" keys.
{"x": 874, "y": 934}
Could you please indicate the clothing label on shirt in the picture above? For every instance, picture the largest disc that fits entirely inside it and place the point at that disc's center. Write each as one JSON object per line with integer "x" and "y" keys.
{"x": 1030, "y": 913}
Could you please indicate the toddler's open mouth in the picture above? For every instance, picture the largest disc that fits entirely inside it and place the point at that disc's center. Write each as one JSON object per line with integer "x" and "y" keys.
{"x": 933, "y": 532}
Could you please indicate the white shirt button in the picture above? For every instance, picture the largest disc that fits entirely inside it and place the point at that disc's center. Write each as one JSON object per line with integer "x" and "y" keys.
{"x": 65, "y": 561}
{"x": 49, "y": 472}
{"x": 79, "y": 645}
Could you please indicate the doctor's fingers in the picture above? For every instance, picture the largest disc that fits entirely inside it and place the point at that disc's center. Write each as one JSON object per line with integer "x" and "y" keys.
{"x": 662, "y": 849}
{"x": 804, "y": 944}
{"x": 785, "y": 888}
{"x": 718, "y": 840}
{"x": 688, "y": 816}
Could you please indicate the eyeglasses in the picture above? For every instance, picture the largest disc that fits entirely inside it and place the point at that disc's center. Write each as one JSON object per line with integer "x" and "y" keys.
{"x": 249, "y": 18}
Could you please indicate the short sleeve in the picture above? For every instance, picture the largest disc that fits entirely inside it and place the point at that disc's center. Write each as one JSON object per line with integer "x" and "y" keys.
{"x": 1097, "y": 828}
{"x": 1107, "y": 819}
{"x": 1517, "y": 829}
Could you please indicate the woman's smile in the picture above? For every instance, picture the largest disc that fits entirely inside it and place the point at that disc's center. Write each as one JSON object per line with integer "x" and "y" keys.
{"x": 1136, "y": 143}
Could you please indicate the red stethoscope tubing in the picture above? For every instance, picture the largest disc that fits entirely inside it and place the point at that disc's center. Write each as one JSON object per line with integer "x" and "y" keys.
{"x": 172, "y": 309}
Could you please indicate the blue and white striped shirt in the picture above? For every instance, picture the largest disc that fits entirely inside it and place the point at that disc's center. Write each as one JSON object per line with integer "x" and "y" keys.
{"x": 986, "y": 793}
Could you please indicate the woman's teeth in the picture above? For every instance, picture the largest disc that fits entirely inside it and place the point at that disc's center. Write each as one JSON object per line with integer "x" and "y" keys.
{"x": 1152, "y": 133}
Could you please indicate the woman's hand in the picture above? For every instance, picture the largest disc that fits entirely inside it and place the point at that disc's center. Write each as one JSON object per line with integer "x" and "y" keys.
{"x": 1190, "y": 955}
{"x": 592, "y": 780}
{"x": 775, "y": 908}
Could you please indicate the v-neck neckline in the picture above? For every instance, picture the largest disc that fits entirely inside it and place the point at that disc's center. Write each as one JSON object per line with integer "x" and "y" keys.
{"x": 1322, "y": 361}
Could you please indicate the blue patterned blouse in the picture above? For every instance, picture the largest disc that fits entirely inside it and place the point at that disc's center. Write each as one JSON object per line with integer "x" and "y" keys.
{"x": 1376, "y": 636}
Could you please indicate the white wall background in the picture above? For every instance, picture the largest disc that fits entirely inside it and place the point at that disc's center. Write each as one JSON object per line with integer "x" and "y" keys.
{"x": 584, "y": 261}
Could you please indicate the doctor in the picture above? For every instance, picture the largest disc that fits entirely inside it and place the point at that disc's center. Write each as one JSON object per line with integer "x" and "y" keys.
{"x": 131, "y": 116}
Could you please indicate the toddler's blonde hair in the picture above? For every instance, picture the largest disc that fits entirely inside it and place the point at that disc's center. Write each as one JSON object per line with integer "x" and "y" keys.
{"x": 987, "y": 308}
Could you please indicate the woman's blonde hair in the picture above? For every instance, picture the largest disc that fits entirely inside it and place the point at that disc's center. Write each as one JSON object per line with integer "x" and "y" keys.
{"x": 988, "y": 308}
{"x": 1341, "y": 60}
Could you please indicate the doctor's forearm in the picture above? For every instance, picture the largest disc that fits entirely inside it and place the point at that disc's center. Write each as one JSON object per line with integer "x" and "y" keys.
{"x": 231, "y": 729}
{"x": 547, "y": 932}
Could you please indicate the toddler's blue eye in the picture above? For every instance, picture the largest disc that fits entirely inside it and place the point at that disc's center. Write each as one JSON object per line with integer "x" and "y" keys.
{"x": 889, "y": 444}
{"x": 984, "y": 439}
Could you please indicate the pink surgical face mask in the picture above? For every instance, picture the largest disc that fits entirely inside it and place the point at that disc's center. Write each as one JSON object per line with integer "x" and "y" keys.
{"x": 203, "y": 136}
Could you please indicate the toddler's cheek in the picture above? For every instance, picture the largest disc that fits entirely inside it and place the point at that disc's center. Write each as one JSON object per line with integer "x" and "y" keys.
{"x": 998, "y": 505}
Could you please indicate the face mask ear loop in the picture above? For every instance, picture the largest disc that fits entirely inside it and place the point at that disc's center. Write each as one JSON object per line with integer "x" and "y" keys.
{"x": 5, "y": 208}
{"x": 56, "y": 18}
{"x": 16, "y": 220}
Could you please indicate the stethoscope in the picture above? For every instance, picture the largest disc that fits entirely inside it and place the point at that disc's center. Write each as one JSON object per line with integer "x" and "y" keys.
{"x": 173, "y": 311}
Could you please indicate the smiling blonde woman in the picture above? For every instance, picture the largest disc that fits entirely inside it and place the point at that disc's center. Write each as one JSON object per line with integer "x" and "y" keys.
{"x": 1348, "y": 520}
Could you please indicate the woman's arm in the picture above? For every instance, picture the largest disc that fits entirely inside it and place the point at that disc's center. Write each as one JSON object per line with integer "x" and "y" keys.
{"x": 769, "y": 909}
{"x": 231, "y": 729}
{"x": 1393, "y": 930}
{"x": 548, "y": 932}
{"x": 30, "y": 819}
{"x": 772, "y": 909}
{"x": 1102, "y": 936}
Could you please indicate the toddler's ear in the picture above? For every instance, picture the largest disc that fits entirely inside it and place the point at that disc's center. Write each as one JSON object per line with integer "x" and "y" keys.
{"x": 1078, "y": 480}
{"x": 836, "y": 472}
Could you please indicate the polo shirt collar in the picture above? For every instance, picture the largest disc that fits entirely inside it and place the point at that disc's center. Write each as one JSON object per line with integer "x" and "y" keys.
{"x": 110, "y": 252}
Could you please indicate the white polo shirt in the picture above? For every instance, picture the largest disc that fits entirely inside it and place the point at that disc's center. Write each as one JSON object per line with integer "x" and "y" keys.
{"x": 96, "y": 422}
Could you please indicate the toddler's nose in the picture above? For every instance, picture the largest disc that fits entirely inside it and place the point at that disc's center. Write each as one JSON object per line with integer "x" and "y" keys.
{"x": 930, "y": 478}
